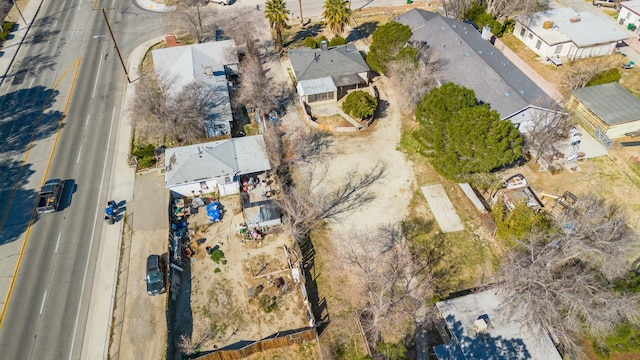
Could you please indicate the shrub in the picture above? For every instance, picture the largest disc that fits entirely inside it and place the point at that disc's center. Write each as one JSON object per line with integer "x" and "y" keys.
{"x": 337, "y": 41}
{"x": 218, "y": 257}
{"x": 605, "y": 77}
{"x": 7, "y": 26}
{"x": 145, "y": 155}
{"x": 360, "y": 104}
{"x": 217, "y": 270}
{"x": 311, "y": 42}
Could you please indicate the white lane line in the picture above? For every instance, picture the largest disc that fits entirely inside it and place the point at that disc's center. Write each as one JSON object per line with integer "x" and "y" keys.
{"x": 43, "y": 299}
{"x": 95, "y": 219}
{"x": 58, "y": 242}
{"x": 95, "y": 85}
{"x": 79, "y": 155}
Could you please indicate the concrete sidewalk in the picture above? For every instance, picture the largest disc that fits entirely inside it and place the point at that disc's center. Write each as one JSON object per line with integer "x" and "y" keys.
{"x": 11, "y": 47}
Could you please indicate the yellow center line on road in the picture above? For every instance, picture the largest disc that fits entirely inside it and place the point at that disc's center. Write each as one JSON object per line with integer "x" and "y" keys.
{"x": 75, "y": 64}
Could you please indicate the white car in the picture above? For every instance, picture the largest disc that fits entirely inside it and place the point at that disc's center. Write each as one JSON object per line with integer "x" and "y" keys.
{"x": 221, "y": 2}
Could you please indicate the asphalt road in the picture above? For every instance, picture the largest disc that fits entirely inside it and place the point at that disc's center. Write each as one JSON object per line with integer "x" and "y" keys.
{"x": 68, "y": 49}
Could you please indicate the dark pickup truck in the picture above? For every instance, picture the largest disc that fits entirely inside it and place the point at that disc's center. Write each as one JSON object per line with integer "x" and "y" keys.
{"x": 50, "y": 196}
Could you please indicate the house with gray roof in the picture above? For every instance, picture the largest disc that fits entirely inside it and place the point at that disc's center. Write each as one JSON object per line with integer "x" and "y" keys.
{"x": 608, "y": 110}
{"x": 478, "y": 330}
{"x": 214, "y": 166}
{"x": 327, "y": 73}
{"x": 210, "y": 64}
{"x": 568, "y": 34}
{"x": 468, "y": 60}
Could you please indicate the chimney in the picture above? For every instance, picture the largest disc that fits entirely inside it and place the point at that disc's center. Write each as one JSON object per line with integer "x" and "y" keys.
{"x": 323, "y": 45}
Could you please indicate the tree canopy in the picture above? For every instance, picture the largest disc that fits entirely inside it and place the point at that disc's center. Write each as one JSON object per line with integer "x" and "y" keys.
{"x": 277, "y": 13}
{"x": 388, "y": 44}
{"x": 462, "y": 136}
{"x": 360, "y": 104}
{"x": 337, "y": 15}
{"x": 564, "y": 279}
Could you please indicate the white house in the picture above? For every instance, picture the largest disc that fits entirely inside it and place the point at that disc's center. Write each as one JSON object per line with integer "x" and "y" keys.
{"x": 630, "y": 14}
{"x": 567, "y": 34}
{"x": 210, "y": 64}
{"x": 217, "y": 165}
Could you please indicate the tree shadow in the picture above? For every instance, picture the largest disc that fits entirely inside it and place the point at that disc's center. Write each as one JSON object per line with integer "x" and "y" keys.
{"x": 305, "y": 32}
{"x": 318, "y": 306}
{"x": 13, "y": 179}
{"x": 41, "y": 33}
{"x": 24, "y": 119}
{"x": 362, "y": 31}
{"x": 480, "y": 346}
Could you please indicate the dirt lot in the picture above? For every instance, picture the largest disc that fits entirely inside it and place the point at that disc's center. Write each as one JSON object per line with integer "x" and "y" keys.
{"x": 220, "y": 297}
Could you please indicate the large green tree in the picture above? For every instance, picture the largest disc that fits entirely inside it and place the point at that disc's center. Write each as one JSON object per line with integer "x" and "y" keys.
{"x": 389, "y": 43}
{"x": 277, "y": 13}
{"x": 337, "y": 15}
{"x": 462, "y": 136}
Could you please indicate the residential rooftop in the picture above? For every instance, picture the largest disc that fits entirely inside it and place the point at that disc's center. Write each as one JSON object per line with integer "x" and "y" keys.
{"x": 505, "y": 337}
{"x": 610, "y": 102}
{"x": 582, "y": 28}
{"x": 222, "y": 158}
{"x": 337, "y": 62}
{"x": 468, "y": 60}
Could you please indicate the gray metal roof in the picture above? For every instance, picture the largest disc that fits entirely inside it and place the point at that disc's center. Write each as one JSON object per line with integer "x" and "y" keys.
{"x": 204, "y": 63}
{"x": 470, "y": 61}
{"x": 506, "y": 338}
{"x": 229, "y": 157}
{"x": 336, "y": 62}
{"x": 584, "y": 28}
{"x": 610, "y": 102}
{"x": 316, "y": 86}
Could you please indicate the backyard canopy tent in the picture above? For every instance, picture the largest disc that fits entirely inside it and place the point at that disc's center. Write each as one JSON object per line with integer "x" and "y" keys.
{"x": 213, "y": 211}
{"x": 262, "y": 215}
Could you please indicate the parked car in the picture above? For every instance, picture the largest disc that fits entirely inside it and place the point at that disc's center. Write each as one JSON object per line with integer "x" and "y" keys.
{"x": 221, "y": 2}
{"x": 606, "y": 3}
{"x": 155, "y": 276}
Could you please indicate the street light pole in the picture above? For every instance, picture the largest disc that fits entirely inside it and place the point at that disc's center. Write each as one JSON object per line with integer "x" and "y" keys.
{"x": 124, "y": 67}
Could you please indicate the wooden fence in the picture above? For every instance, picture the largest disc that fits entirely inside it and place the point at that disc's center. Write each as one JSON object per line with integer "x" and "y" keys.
{"x": 262, "y": 345}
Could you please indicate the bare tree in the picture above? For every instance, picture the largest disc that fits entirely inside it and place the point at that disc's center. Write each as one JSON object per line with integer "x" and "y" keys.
{"x": 162, "y": 111}
{"x": 563, "y": 280}
{"x": 548, "y": 124}
{"x": 400, "y": 267}
{"x": 191, "y": 18}
{"x": 412, "y": 79}
{"x": 582, "y": 71}
{"x": 189, "y": 346}
{"x": 505, "y": 8}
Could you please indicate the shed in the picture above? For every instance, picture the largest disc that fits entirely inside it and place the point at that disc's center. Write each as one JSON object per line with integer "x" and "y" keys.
{"x": 608, "y": 109}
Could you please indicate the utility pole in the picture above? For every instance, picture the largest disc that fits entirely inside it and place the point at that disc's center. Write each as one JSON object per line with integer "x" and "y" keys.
{"x": 199, "y": 23}
{"x": 301, "y": 17}
{"x": 19, "y": 12}
{"x": 115, "y": 44}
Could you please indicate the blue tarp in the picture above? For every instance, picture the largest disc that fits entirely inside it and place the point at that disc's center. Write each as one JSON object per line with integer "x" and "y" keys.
{"x": 213, "y": 211}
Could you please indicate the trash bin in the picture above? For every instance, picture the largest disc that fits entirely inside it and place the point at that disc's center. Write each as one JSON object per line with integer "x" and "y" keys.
{"x": 630, "y": 26}
{"x": 409, "y": 1}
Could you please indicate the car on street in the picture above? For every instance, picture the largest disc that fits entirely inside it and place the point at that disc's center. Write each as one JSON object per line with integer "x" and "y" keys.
{"x": 155, "y": 276}
{"x": 606, "y": 3}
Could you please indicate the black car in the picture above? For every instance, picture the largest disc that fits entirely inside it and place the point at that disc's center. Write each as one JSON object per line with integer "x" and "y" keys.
{"x": 155, "y": 277}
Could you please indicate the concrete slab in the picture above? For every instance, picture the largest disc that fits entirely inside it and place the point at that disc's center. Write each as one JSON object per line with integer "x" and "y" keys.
{"x": 442, "y": 208}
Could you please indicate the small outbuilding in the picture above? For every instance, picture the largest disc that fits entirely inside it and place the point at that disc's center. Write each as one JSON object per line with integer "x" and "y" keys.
{"x": 608, "y": 110}
{"x": 630, "y": 14}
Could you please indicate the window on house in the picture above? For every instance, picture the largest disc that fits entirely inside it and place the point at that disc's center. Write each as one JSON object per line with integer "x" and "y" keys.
{"x": 558, "y": 49}
{"x": 522, "y": 32}
{"x": 538, "y": 44}
{"x": 628, "y": 15}
{"x": 227, "y": 179}
{"x": 203, "y": 185}
{"x": 530, "y": 36}
{"x": 320, "y": 97}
